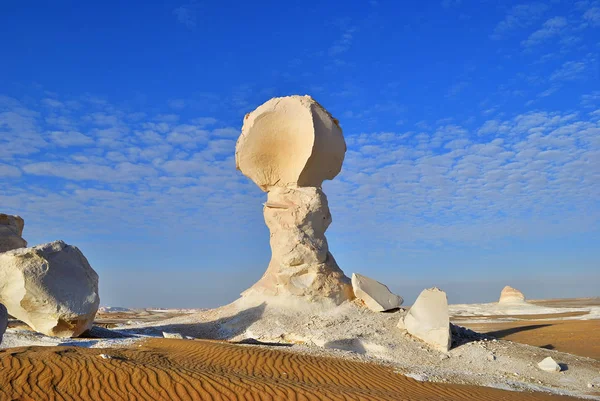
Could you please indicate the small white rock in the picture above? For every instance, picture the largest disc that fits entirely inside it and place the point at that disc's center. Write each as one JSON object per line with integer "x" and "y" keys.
{"x": 104, "y": 356}
{"x": 549, "y": 365}
{"x": 172, "y": 335}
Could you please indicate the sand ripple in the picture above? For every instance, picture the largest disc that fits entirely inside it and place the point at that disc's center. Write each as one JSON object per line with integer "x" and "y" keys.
{"x": 162, "y": 369}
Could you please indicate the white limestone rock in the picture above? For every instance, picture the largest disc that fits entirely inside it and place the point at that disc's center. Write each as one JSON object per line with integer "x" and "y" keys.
{"x": 11, "y": 230}
{"x": 3, "y": 321}
{"x": 549, "y": 365}
{"x": 511, "y": 295}
{"x": 50, "y": 287}
{"x": 172, "y": 335}
{"x": 288, "y": 146}
{"x": 290, "y": 141}
{"x": 375, "y": 295}
{"x": 428, "y": 319}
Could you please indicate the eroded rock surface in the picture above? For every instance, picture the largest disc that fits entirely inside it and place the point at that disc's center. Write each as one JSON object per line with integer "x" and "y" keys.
{"x": 288, "y": 146}
{"x": 50, "y": 287}
{"x": 428, "y": 319}
{"x": 511, "y": 295}
{"x": 375, "y": 295}
{"x": 11, "y": 230}
{"x": 301, "y": 264}
{"x": 290, "y": 141}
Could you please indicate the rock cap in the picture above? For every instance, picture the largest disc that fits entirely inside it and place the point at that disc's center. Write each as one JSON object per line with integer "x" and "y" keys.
{"x": 290, "y": 141}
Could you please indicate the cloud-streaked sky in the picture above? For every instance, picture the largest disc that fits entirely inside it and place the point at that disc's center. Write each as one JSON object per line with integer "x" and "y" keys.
{"x": 473, "y": 132}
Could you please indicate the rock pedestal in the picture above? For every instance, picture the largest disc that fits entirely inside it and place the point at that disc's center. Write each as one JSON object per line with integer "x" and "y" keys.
{"x": 288, "y": 146}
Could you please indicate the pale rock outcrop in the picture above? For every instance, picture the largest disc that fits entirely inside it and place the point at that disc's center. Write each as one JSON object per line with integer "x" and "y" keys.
{"x": 11, "y": 230}
{"x": 288, "y": 146}
{"x": 3, "y": 321}
{"x": 50, "y": 287}
{"x": 428, "y": 319}
{"x": 549, "y": 365}
{"x": 375, "y": 295}
{"x": 511, "y": 295}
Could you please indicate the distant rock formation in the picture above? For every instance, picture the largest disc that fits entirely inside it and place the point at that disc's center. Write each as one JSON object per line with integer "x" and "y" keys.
{"x": 50, "y": 287}
{"x": 375, "y": 295}
{"x": 3, "y": 321}
{"x": 428, "y": 319}
{"x": 11, "y": 230}
{"x": 288, "y": 146}
{"x": 511, "y": 295}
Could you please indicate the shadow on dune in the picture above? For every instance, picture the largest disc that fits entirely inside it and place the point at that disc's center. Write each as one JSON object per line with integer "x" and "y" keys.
{"x": 347, "y": 344}
{"x": 224, "y": 328}
{"x": 514, "y": 330}
{"x": 252, "y": 341}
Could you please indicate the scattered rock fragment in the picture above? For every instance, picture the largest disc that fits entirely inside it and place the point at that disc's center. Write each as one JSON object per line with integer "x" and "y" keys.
{"x": 50, "y": 287}
{"x": 511, "y": 295}
{"x": 375, "y": 295}
{"x": 11, "y": 229}
{"x": 549, "y": 365}
{"x": 491, "y": 357}
{"x": 172, "y": 335}
{"x": 428, "y": 319}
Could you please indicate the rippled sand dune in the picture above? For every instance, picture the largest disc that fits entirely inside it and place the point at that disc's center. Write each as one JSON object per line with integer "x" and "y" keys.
{"x": 578, "y": 337}
{"x": 161, "y": 369}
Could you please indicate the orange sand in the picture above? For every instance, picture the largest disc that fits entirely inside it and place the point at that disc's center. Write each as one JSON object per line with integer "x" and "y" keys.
{"x": 579, "y": 337}
{"x": 163, "y": 369}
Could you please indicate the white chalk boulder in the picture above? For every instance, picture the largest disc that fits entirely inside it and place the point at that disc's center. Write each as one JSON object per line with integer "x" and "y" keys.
{"x": 428, "y": 319}
{"x": 511, "y": 295}
{"x": 549, "y": 365}
{"x": 11, "y": 229}
{"x": 50, "y": 287}
{"x": 375, "y": 295}
{"x": 3, "y": 321}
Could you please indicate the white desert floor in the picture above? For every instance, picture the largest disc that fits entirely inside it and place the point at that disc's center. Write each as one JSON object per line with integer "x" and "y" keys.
{"x": 352, "y": 331}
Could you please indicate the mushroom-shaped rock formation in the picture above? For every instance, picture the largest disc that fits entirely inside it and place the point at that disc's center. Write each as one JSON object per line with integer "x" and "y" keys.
{"x": 50, "y": 287}
{"x": 288, "y": 146}
{"x": 428, "y": 319}
{"x": 511, "y": 295}
{"x": 11, "y": 229}
{"x": 375, "y": 295}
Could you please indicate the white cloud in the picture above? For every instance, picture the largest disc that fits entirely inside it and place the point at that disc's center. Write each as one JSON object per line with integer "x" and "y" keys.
{"x": 70, "y": 138}
{"x": 520, "y": 16}
{"x": 569, "y": 71}
{"x": 186, "y": 15}
{"x": 343, "y": 44}
{"x": 9, "y": 171}
{"x": 592, "y": 16}
{"x": 552, "y": 27}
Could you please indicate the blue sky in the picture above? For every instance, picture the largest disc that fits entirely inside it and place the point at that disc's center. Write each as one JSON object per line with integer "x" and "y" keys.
{"x": 473, "y": 132}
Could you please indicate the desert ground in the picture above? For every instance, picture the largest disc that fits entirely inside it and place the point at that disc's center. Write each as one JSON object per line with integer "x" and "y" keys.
{"x": 226, "y": 354}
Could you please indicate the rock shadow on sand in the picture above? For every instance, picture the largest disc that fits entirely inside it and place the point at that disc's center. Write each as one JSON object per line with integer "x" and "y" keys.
{"x": 224, "y": 328}
{"x": 513, "y": 330}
